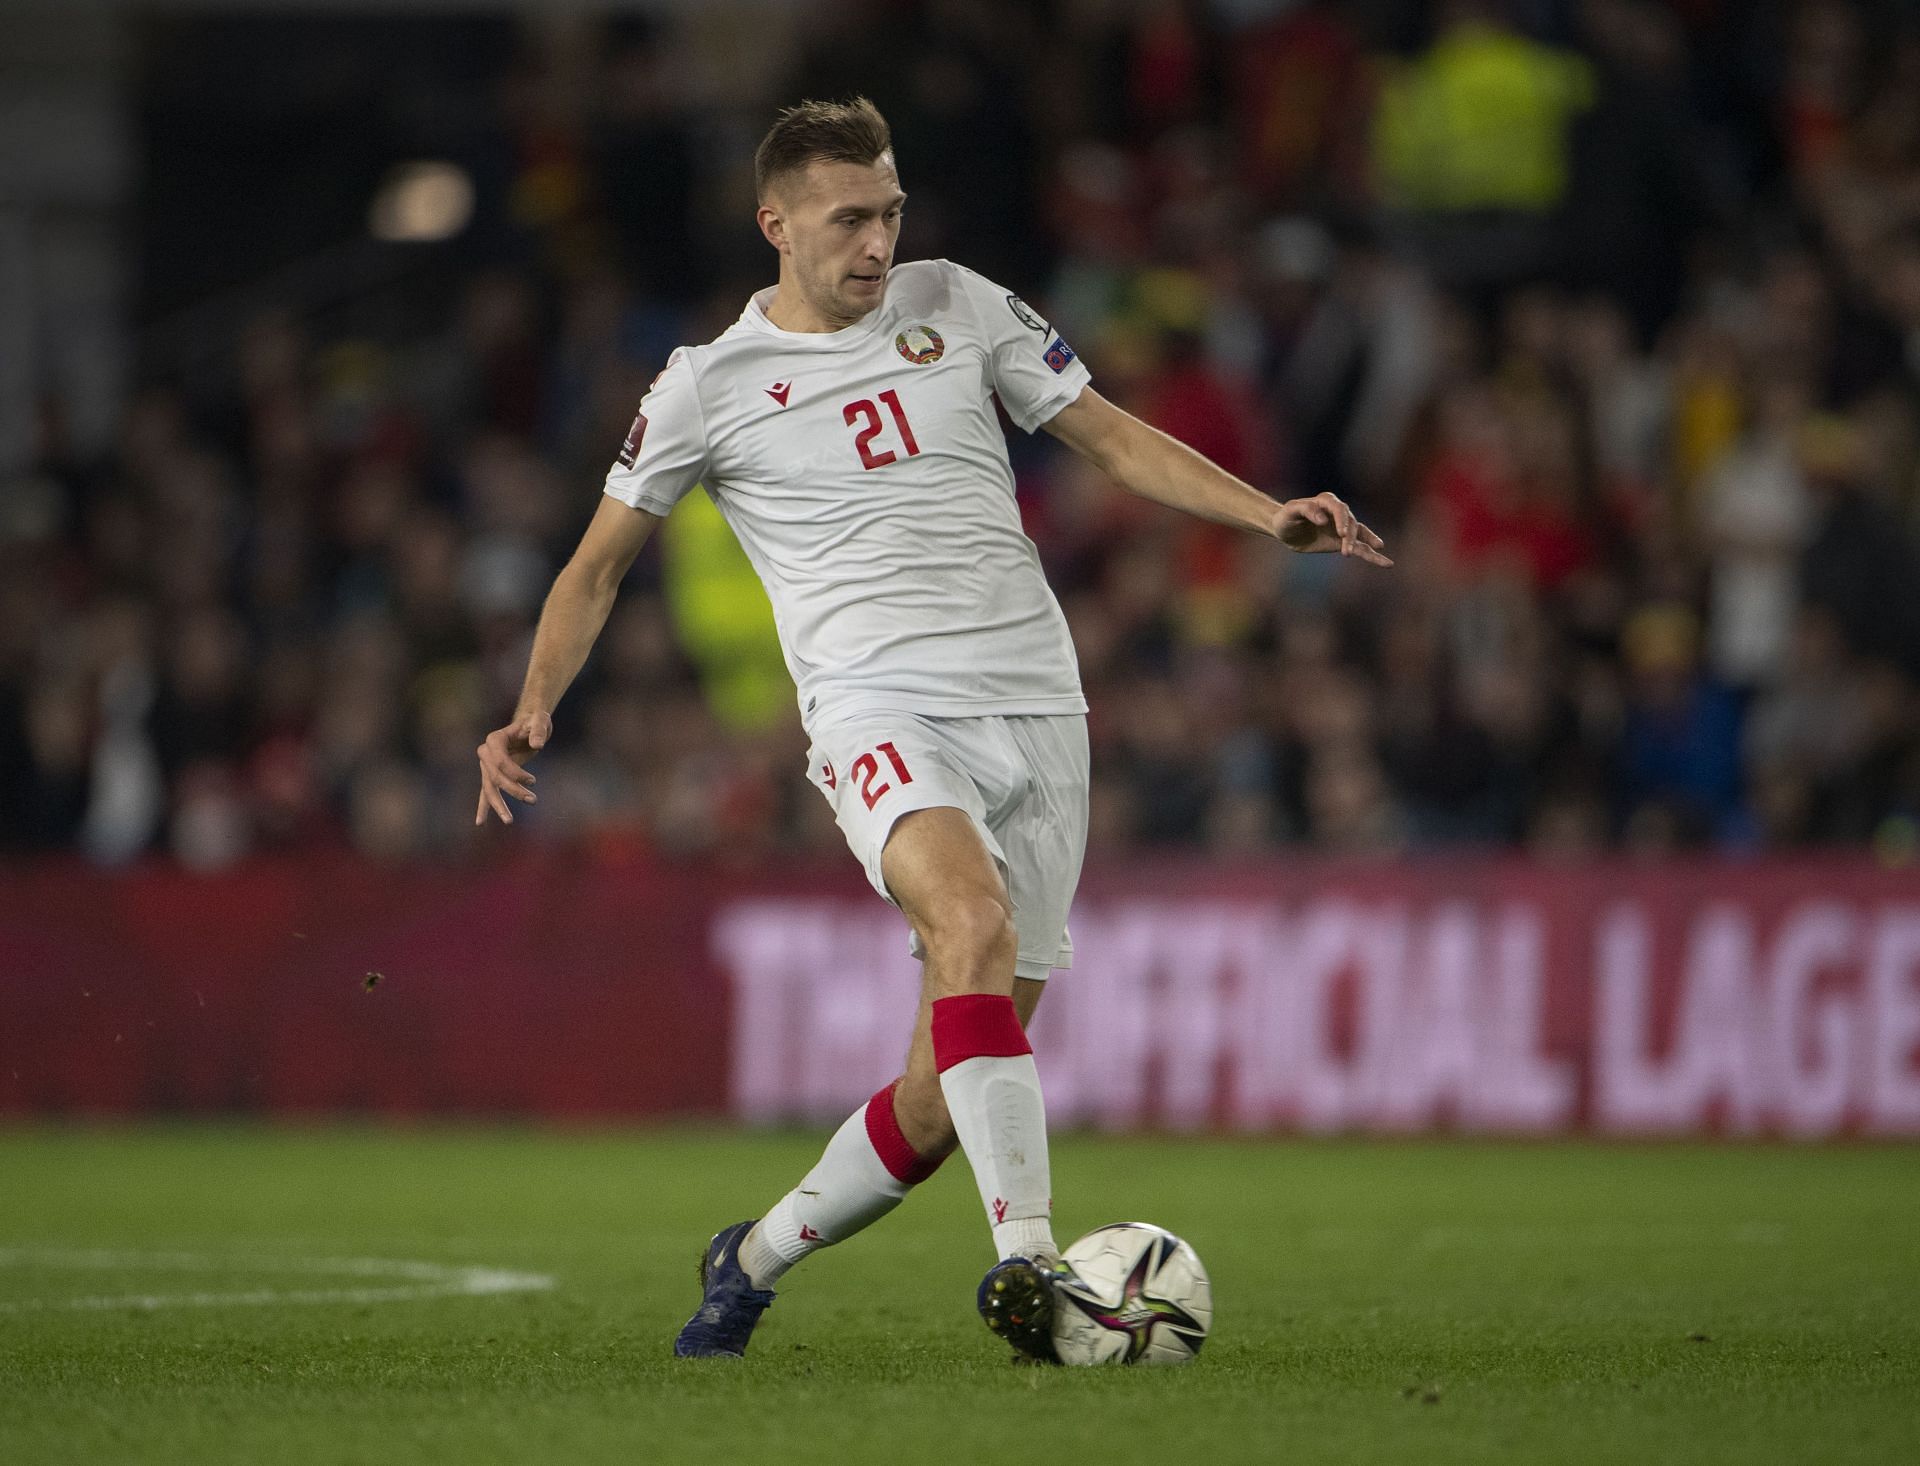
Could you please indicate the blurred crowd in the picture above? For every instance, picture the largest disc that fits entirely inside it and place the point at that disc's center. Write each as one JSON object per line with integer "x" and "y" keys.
{"x": 1606, "y": 314}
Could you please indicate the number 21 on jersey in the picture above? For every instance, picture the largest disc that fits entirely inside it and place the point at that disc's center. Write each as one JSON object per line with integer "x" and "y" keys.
{"x": 864, "y": 411}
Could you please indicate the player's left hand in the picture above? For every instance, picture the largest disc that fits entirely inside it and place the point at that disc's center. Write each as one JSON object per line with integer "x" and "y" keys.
{"x": 1324, "y": 524}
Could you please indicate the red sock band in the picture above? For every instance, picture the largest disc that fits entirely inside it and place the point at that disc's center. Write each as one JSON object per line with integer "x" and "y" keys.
{"x": 976, "y": 1026}
{"x": 902, "y": 1161}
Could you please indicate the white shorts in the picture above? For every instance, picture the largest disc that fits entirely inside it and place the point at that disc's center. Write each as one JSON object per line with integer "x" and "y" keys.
{"x": 1022, "y": 780}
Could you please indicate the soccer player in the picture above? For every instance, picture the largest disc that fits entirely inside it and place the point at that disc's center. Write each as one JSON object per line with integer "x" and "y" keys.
{"x": 845, "y": 426}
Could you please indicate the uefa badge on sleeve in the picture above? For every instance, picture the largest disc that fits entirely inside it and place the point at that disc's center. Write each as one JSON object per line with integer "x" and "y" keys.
{"x": 1059, "y": 354}
{"x": 919, "y": 345}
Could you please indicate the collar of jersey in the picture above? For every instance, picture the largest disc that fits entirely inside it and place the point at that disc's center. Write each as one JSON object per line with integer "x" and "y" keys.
{"x": 755, "y": 318}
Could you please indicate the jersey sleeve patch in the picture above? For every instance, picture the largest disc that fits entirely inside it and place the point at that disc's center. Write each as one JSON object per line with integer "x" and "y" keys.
{"x": 1030, "y": 367}
{"x": 1025, "y": 315}
{"x": 630, "y": 449}
{"x": 665, "y": 451}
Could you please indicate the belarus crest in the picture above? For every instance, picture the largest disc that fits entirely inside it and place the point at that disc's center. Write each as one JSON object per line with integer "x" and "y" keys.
{"x": 919, "y": 344}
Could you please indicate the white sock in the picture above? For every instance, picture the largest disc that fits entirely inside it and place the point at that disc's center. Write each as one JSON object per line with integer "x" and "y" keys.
{"x": 1026, "y": 1237}
{"x": 993, "y": 1095}
{"x": 865, "y": 1172}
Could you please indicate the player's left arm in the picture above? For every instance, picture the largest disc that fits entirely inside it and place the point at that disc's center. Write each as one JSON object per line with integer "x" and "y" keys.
{"x": 1145, "y": 461}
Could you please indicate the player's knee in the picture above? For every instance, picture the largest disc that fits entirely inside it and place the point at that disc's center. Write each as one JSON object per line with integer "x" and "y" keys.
{"x": 976, "y": 933}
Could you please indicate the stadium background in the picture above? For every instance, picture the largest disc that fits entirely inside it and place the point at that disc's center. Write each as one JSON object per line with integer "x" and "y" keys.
{"x": 334, "y": 1130}
{"x": 323, "y": 327}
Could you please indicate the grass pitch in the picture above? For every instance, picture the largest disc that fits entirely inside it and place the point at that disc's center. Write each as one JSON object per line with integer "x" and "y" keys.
{"x": 1377, "y": 1302}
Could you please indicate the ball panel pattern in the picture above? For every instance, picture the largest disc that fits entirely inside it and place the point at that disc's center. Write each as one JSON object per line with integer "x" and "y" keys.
{"x": 1142, "y": 1296}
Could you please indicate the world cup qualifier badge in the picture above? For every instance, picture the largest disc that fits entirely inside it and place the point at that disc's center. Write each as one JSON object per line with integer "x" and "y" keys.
{"x": 630, "y": 449}
{"x": 919, "y": 344}
{"x": 1059, "y": 354}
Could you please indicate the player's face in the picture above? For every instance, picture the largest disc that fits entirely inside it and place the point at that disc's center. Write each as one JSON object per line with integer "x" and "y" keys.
{"x": 837, "y": 224}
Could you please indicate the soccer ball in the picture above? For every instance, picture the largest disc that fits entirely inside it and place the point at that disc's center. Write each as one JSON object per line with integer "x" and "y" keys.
{"x": 1139, "y": 1295}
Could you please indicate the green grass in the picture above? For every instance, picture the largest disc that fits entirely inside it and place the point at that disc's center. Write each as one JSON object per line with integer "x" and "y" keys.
{"x": 1377, "y": 1302}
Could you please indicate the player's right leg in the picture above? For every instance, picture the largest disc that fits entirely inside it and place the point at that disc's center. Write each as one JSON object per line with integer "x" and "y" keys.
{"x": 1040, "y": 833}
{"x": 970, "y": 1072}
{"x": 891, "y": 1143}
{"x": 1016, "y": 1296}
{"x": 939, "y": 868}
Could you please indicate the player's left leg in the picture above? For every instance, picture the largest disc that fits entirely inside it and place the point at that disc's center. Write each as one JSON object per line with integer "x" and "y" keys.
{"x": 984, "y": 957}
{"x": 866, "y": 1171}
{"x": 883, "y": 1150}
{"x": 871, "y": 1162}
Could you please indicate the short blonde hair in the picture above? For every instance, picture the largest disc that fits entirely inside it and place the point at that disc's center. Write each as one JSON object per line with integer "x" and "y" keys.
{"x": 852, "y": 131}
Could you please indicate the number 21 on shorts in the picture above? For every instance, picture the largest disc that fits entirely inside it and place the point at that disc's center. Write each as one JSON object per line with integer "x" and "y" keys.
{"x": 866, "y": 768}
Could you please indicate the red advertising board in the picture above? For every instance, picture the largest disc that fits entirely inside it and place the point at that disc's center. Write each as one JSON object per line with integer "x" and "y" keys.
{"x": 1779, "y": 998}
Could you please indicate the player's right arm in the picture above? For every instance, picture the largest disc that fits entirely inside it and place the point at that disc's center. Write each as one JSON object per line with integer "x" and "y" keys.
{"x": 664, "y": 456}
{"x": 577, "y": 608}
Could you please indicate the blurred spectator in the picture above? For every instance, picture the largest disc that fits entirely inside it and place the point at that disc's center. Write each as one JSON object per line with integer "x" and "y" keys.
{"x": 1861, "y": 563}
{"x": 1615, "y": 336}
{"x": 1651, "y": 176}
{"x": 1680, "y": 763}
{"x": 1299, "y": 95}
{"x": 1473, "y": 145}
{"x": 1755, "y": 515}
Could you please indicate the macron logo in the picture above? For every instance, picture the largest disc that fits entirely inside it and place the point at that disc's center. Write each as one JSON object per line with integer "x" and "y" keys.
{"x": 778, "y": 392}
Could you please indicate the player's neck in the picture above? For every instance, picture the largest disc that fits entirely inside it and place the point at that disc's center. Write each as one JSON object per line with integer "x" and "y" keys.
{"x": 792, "y": 311}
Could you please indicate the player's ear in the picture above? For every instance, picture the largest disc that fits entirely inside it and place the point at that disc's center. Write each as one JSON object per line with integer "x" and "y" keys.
{"x": 773, "y": 224}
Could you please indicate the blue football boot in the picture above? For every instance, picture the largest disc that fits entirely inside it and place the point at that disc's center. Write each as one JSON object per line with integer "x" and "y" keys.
{"x": 731, "y": 1305}
{"x": 1016, "y": 1300}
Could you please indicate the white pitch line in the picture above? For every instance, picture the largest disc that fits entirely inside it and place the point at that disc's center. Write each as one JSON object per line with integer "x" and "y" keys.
{"x": 421, "y": 1280}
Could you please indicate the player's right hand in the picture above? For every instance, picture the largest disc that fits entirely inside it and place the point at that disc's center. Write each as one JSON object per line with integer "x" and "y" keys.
{"x": 502, "y": 764}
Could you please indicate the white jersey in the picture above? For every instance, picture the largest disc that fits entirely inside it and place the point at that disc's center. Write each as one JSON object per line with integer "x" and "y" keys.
{"x": 865, "y": 473}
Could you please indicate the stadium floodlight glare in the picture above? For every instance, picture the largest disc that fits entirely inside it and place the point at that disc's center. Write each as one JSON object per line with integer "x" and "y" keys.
{"x": 422, "y": 203}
